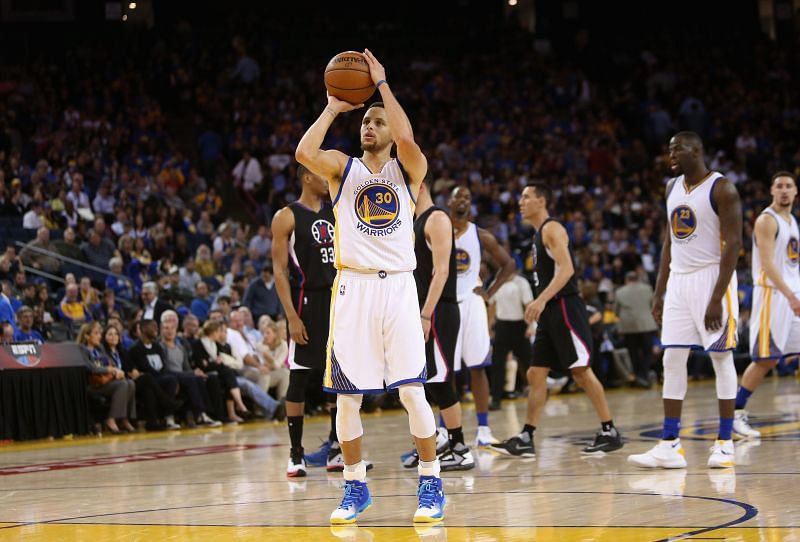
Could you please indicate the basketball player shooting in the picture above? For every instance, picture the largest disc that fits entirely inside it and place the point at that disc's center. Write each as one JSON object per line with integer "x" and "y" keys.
{"x": 376, "y": 338}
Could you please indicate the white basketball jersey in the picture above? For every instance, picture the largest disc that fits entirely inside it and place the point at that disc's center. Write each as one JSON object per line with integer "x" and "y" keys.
{"x": 693, "y": 225}
{"x": 374, "y": 219}
{"x": 468, "y": 261}
{"x": 786, "y": 254}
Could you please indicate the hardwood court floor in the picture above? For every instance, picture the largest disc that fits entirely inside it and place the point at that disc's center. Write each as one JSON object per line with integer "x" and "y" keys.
{"x": 230, "y": 484}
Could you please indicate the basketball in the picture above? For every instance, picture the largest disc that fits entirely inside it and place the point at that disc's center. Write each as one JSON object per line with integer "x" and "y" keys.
{"x": 347, "y": 77}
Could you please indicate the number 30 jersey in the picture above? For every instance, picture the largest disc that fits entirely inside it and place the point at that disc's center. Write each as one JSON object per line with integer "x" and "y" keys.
{"x": 311, "y": 250}
{"x": 374, "y": 218}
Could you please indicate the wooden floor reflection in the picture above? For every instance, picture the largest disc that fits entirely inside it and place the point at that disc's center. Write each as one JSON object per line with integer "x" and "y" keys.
{"x": 229, "y": 483}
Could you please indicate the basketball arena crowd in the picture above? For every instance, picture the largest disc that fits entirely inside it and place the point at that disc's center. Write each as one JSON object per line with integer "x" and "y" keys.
{"x": 137, "y": 190}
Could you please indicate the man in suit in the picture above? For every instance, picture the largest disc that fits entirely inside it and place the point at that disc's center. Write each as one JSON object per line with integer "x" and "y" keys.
{"x": 636, "y": 325}
{"x": 153, "y": 306}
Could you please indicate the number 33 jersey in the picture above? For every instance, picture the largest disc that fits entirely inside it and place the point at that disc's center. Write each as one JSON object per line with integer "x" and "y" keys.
{"x": 311, "y": 248}
{"x": 374, "y": 219}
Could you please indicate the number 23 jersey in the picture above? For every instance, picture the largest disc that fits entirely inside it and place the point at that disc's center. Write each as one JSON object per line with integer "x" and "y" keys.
{"x": 694, "y": 225}
{"x": 311, "y": 248}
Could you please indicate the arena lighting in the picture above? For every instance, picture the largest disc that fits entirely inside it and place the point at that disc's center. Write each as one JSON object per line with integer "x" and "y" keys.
{"x": 512, "y": 2}
{"x": 125, "y": 17}
{"x": 132, "y": 5}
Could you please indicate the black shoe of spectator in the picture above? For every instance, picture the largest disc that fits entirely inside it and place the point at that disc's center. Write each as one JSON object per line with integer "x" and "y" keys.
{"x": 190, "y": 421}
{"x": 495, "y": 405}
{"x": 510, "y": 395}
{"x": 155, "y": 426}
{"x": 245, "y": 414}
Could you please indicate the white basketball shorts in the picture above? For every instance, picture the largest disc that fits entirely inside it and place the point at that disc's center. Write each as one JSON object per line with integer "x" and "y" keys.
{"x": 774, "y": 329}
{"x": 473, "y": 345}
{"x": 685, "y": 304}
{"x": 375, "y": 340}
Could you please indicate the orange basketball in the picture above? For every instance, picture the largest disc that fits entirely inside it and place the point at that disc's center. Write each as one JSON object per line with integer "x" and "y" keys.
{"x": 347, "y": 77}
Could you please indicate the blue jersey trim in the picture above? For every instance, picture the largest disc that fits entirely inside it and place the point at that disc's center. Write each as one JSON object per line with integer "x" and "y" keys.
{"x": 767, "y": 359}
{"x": 406, "y": 179}
{"x": 691, "y": 346}
{"x": 344, "y": 178}
{"x": 406, "y": 381}
{"x": 353, "y": 392}
{"x": 711, "y": 196}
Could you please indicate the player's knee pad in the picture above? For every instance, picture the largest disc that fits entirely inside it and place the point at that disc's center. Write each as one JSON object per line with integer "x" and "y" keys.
{"x": 420, "y": 415}
{"x": 725, "y": 371}
{"x": 348, "y": 417}
{"x": 443, "y": 393}
{"x": 298, "y": 380}
{"x": 675, "y": 373}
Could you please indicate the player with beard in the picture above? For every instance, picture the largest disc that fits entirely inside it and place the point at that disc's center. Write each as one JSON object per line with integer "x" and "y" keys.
{"x": 775, "y": 322}
{"x": 473, "y": 349}
{"x": 695, "y": 298}
{"x": 376, "y": 340}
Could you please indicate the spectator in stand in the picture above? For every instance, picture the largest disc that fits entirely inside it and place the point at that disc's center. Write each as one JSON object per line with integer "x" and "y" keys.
{"x": 37, "y": 259}
{"x": 221, "y": 351}
{"x": 9, "y": 263}
{"x": 153, "y": 402}
{"x": 108, "y": 305}
{"x": 76, "y": 195}
{"x": 125, "y": 249}
{"x": 89, "y": 294}
{"x": 104, "y": 202}
{"x": 98, "y": 250}
{"x": 189, "y": 276}
{"x": 636, "y": 325}
{"x": 246, "y": 69}
{"x": 247, "y": 174}
{"x": 208, "y": 202}
{"x": 152, "y": 306}
{"x": 121, "y": 225}
{"x": 44, "y": 310}
{"x": 108, "y": 380}
{"x": 191, "y": 382}
{"x": 204, "y": 264}
{"x": 25, "y": 331}
{"x": 224, "y": 244}
{"x": 254, "y": 335}
{"x": 32, "y": 220}
{"x": 118, "y": 282}
{"x": 201, "y": 303}
{"x": 261, "y": 297}
{"x": 19, "y": 201}
{"x": 254, "y": 368}
{"x": 213, "y": 333}
{"x": 72, "y": 310}
{"x": 68, "y": 246}
{"x": 260, "y": 245}
{"x": 146, "y": 356}
{"x": 7, "y": 332}
{"x": 70, "y": 214}
{"x": 275, "y": 351}
{"x": 115, "y": 321}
